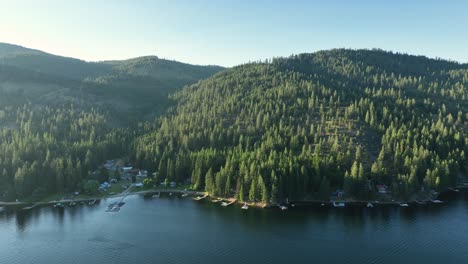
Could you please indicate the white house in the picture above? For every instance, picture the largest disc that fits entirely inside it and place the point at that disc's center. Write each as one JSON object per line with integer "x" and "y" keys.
{"x": 142, "y": 173}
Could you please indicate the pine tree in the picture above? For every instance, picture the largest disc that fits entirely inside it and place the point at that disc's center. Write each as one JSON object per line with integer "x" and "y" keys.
{"x": 209, "y": 182}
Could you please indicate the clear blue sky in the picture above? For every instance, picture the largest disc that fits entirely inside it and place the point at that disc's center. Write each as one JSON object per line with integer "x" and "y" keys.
{"x": 233, "y": 32}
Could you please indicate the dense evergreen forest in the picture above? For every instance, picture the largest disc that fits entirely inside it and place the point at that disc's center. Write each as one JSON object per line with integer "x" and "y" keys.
{"x": 298, "y": 127}
{"x": 60, "y": 117}
{"x": 303, "y": 126}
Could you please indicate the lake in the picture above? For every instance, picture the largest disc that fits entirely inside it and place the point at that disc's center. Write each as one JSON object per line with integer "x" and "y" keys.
{"x": 180, "y": 230}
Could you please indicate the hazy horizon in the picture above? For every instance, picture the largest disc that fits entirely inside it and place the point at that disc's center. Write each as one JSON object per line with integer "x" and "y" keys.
{"x": 228, "y": 34}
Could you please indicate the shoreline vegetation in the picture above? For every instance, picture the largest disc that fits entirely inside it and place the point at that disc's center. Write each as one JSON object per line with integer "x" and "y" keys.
{"x": 192, "y": 193}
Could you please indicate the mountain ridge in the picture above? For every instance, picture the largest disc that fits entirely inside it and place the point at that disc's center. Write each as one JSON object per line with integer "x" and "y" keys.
{"x": 287, "y": 128}
{"x": 301, "y": 126}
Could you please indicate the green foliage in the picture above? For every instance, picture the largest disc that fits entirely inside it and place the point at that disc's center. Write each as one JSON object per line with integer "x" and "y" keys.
{"x": 91, "y": 186}
{"x": 301, "y": 126}
{"x": 293, "y": 127}
{"x": 52, "y": 149}
{"x": 60, "y": 117}
{"x": 103, "y": 175}
{"x": 148, "y": 182}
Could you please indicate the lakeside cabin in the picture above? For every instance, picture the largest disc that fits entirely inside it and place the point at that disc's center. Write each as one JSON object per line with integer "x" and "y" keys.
{"x": 104, "y": 186}
{"x": 126, "y": 171}
{"x": 382, "y": 188}
{"x": 142, "y": 173}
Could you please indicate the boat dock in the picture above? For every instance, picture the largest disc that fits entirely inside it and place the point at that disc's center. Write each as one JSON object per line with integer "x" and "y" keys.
{"x": 200, "y": 197}
{"x": 339, "y": 204}
{"x": 30, "y": 207}
{"x": 453, "y": 189}
{"x": 227, "y": 203}
{"x": 115, "y": 207}
{"x": 217, "y": 200}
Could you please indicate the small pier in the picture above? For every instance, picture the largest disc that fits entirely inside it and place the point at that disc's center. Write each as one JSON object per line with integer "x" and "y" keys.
{"x": 282, "y": 207}
{"x": 200, "y": 197}
{"x": 30, "y": 207}
{"x": 227, "y": 203}
{"x": 339, "y": 204}
{"x": 115, "y": 207}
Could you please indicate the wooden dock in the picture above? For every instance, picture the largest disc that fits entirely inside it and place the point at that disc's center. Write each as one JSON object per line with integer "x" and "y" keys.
{"x": 227, "y": 203}
{"x": 116, "y": 207}
{"x": 30, "y": 207}
{"x": 200, "y": 197}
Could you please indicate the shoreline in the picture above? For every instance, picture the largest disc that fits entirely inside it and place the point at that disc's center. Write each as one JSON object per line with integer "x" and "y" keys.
{"x": 252, "y": 204}
{"x": 99, "y": 198}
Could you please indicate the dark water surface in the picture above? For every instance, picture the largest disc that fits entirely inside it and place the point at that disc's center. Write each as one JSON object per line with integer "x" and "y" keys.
{"x": 178, "y": 230}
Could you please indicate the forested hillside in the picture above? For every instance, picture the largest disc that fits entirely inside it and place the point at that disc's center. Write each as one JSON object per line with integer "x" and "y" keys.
{"x": 302, "y": 126}
{"x": 298, "y": 127}
{"x": 61, "y": 117}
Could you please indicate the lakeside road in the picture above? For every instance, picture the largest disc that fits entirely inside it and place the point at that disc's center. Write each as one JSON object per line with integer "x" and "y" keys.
{"x": 101, "y": 197}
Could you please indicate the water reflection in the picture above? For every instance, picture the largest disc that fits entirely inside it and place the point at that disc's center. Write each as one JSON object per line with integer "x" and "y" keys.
{"x": 178, "y": 230}
{"x": 352, "y": 217}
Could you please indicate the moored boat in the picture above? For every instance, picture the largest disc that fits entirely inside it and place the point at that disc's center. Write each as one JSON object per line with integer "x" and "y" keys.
{"x": 58, "y": 205}
{"x": 339, "y": 204}
{"x": 369, "y": 205}
{"x": 113, "y": 209}
{"x": 437, "y": 201}
{"x": 217, "y": 200}
{"x": 227, "y": 203}
{"x": 404, "y": 205}
{"x": 200, "y": 197}
{"x": 245, "y": 206}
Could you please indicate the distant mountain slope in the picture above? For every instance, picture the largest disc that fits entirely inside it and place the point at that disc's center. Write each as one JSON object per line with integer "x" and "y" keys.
{"x": 160, "y": 68}
{"x": 302, "y": 126}
{"x": 9, "y": 50}
{"x": 49, "y": 64}
{"x": 149, "y": 66}
{"x": 135, "y": 87}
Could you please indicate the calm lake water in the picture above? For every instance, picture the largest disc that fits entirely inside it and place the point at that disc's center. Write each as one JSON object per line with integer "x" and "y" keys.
{"x": 178, "y": 230}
